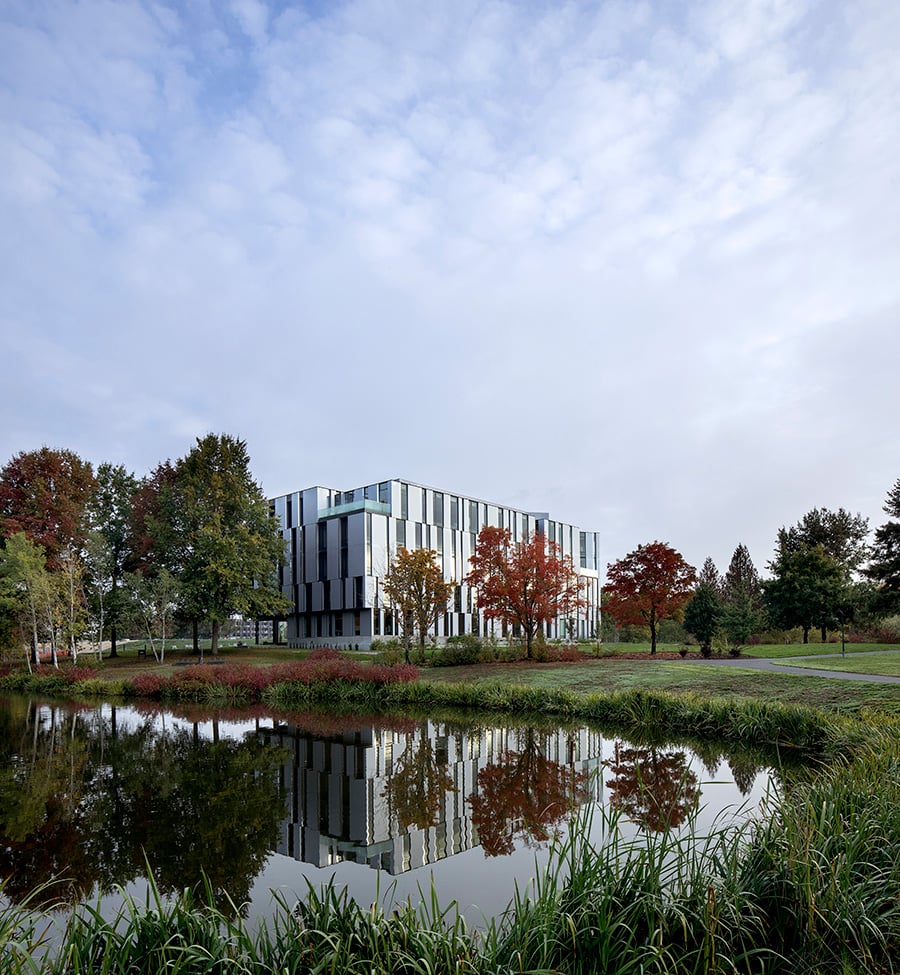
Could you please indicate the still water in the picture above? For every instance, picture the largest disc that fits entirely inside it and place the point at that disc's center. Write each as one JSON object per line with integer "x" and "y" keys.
{"x": 260, "y": 801}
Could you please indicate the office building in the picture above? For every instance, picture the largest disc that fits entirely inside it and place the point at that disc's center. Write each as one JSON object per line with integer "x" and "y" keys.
{"x": 341, "y": 543}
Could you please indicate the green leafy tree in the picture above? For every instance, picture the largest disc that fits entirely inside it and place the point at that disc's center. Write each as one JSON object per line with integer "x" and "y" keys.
{"x": 840, "y": 535}
{"x": 223, "y": 544}
{"x": 419, "y": 783}
{"x": 26, "y": 587}
{"x": 650, "y": 584}
{"x": 709, "y": 575}
{"x": 884, "y": 567}
{"x": 808, "y": 588}
{"x": 703, "y": 615}
{"x": 109, "y": 512}
{"x": 415, "y": 587}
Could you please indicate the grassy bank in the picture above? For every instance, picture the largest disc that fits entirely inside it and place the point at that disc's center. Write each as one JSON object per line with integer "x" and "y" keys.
{"x": 813, "y": 887}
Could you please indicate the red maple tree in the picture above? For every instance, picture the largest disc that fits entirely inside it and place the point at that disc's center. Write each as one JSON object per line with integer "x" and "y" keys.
{"x": 650, "y": 584}
{"x": 526, "y": 584}
{"x": 43, "y": 493}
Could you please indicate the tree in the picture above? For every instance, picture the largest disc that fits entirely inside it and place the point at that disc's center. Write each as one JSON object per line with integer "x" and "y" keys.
{"x": 224, "y": 545}
{"x": 702, "y": 615}
{"x": 26, "y": 585}
{"x": 525, "y": 793}
{"x": 656, "y": 789}
{"x": 419, "y": 783}
{"x": 43, "y": 493}
{"x": 109, "y": 512}
{"x": 415, "y": 586}
{"x": 526, "y": 584}
{"x": 808, "y": 588}
{"x": 650, "y": 584}
{"x": 709, "y": 575}
{"x": 840, "y": 535}
{"x": 884, "y": 568}
{"x": 743, "y": 610}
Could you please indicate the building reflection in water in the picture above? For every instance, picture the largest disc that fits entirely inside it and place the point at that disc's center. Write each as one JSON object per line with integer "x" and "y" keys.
{"x": 398, "y": 800}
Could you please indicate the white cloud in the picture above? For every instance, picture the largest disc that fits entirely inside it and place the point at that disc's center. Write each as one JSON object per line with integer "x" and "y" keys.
{"x": 619, "y": 260}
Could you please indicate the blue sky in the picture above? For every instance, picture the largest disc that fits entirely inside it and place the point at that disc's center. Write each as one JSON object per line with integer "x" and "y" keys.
{"x": 637, "y": 264}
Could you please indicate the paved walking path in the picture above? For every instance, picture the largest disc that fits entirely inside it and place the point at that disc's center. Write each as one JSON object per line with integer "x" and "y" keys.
{"x": 772, "y": 665}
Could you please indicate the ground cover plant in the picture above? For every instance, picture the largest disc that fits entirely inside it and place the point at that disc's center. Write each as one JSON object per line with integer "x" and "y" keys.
{"x": 885, "y": 663}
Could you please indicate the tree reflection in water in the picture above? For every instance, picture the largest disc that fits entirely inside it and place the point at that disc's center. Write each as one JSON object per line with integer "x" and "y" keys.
{"x": 655, "y": 788}
{"x": 87, "y": 805}
{"x": 524, "y": 793}
{"x": 418, "y": 784}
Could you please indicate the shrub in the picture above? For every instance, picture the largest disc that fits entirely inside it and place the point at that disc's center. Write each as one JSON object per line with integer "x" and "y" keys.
{"x": 466, "y": 648}
{"x": 558, "y": 653}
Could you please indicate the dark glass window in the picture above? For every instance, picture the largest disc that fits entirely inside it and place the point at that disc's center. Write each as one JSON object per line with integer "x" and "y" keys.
{"x": 473, "y": 517}
{"x": 454, "y": 513}
{"x": 438, "y": 509}
{"x": 404, "y": 501}
{"x": 418, "y": 534}
{"x": 401, "y": 534}
{"x": 344, "y": 548}
{"x": 322, "y": 533}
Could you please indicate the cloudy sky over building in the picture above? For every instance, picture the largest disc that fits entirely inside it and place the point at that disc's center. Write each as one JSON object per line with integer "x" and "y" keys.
{"x": 634, "y": 263}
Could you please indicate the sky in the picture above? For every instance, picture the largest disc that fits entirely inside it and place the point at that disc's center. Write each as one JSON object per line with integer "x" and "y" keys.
{"x": 635, "y": 264}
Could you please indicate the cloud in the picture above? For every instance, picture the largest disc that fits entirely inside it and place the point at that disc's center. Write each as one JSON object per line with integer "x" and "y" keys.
{"x": 621, "y": 260}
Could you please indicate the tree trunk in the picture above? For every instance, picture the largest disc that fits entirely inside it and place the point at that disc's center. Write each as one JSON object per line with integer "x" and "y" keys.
{"x": 214, "y": 639}
{"x": 652, "y": 638}
{"x": 196, "y": 635}
{"x": 806, "y": 634}
{"x": 824, "y": 634}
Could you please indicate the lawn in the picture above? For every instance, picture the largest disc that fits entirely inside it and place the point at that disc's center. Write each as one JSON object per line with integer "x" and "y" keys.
{"x": 766, "y": 650}
{"x": 886, "y": 664}
{"x": 680, "y": 677}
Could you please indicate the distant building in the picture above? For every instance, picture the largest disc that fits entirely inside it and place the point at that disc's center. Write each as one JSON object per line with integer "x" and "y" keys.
{"x": 252, "y": 631}
{"x": 341, "y": 543}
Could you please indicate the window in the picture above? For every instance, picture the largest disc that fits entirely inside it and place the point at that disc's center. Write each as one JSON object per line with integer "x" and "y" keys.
{"x": 357, "y": 623}
{"x": 418, "y": 534}
{"x": 338, "y": 624}
{"x": 454, "y": 513}
{"x": 438, "y": 509}
{"x": 473, "y": 517}
{"x": 384, "y": 492}
{"x": 344, "y": 549}
{"x": 358, "y": 592}
{"x": 404, "y": 501}
{"x": 376, "y": 622}
{"x": 368, "y": 543}
{"x": 322, "y": 533}
{"x": 401, "y": 534}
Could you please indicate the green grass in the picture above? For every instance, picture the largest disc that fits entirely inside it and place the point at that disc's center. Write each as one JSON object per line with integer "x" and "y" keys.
{"x": 886, "y": 664}
{"x": 680, "y": 677}
{"x": 777, "y": 650}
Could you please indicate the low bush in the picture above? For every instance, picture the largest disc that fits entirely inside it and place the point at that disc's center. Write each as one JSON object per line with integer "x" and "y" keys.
{"x": 466, "y": 648}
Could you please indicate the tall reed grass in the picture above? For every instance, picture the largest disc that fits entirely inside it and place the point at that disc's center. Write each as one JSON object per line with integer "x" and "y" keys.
{"x": 813, "y": 886}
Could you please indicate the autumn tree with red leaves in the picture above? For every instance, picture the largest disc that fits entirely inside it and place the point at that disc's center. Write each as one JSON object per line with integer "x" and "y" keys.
{"x": 526, "y": 584}
{"x": 650, "y": 584}
{"x": 43, "y": 493}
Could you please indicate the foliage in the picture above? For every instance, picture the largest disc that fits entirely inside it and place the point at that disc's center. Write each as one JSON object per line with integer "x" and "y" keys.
{"x": 25, "y": 584}
{"x": 651, "y": 583}
{"x": 840, "y": 535}
{"x": 416, "y": 589}
{"x": 223, "y": 545}
{"x": 653, "y": 786}
{"x": 459, "y": 650}
{"x": 884, "y": 567}
{"x": 703, "y": 614}
{"x": 743, "y": 614}
{"x": 109, "y": 511}
{"x": 808, "y": 588}
{"x": 43, "y": 493}
{"x": 525, "y": 584}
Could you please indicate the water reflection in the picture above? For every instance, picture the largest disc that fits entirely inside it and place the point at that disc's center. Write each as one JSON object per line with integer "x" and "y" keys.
{"x": 95, "y": 795}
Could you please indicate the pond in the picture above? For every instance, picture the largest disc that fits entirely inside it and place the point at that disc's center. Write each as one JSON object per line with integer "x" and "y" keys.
{"x": 385, "y": 805}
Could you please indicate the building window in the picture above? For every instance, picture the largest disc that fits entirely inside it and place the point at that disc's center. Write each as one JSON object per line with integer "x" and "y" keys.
{"x": 404, "y": 501}
{"x": 322, "y": 532}
{"x": 358, "y": 592}
{"x": 473, "y": 517}
{"x": 418, "y": 534}
{"x": 368, "y": 543}
{"x": 344, "y": 549}
{"x": 338, "y": 624}
{"x": 438, "y": 509}
{"x": 454, "y": 513}
{"x": 384, "y": 492}
{"x": 376, "y": 622}
{"x": 401, "y": 534}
